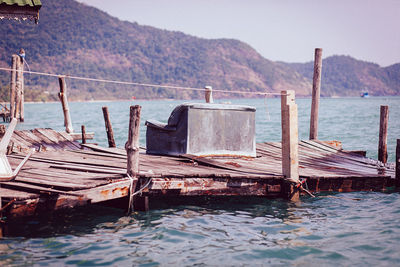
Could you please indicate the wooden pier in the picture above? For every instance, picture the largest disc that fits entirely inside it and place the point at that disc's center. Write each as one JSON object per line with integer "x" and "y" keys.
{"x": 53, "y": 180}
{"x": 63, "y": 174}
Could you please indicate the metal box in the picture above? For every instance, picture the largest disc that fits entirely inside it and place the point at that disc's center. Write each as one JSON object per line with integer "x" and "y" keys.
{"x": 204, "y": 130}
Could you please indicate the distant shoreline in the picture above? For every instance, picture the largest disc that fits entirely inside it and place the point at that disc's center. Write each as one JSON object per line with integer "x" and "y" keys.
{"x": 198, "y": 99}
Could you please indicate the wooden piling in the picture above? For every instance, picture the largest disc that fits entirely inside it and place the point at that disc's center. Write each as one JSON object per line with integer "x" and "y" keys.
{"x": 142, "y": 203}
{"x": 383, "y": 128}
{"x": 398, "y": 163}
{"x": 316, "y": 91}
{"x": 109, "y": 130}
{"x": 64, "y": 102}
{"x": 290, "y": 143}
{"x": 132, "y": 150}
{"x": 14, "y": 59}
{"x": 22, "y": 82}
{"x": 83, "y": 129}
{"x": 22, "y": 95}
{"x": 208, "y": 94}
{"x": 19, "y": 88}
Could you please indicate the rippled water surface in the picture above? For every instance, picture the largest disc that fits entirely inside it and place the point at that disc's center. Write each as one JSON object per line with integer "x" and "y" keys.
{"x": 361, "y": 228}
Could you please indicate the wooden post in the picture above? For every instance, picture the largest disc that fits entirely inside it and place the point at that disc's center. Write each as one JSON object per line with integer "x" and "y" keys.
{"x": 83, "y": 134}
{"x": 290, "y": 143}
{"x": 208, "y": 94}
{"x": 132, "y": 150}
{"x": 398, "y": 163}
{"x": 13, "y": 85}
{"x": 64, "y": 102}
{"x": 22, "y": 94}
{"x": 142, "y": 203}
{"x": 316, "y": 91}
{"x": 383, "y": 128}
{"x": 19, "y": 88}
{"x": 109, "y": 130}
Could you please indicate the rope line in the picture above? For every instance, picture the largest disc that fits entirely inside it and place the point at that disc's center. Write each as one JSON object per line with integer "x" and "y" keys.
{"x": 132, "y": 193}
{"x": 139, "y": 84}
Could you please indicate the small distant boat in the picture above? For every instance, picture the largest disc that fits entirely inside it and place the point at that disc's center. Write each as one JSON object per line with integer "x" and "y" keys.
{"x": 364, "y": 94}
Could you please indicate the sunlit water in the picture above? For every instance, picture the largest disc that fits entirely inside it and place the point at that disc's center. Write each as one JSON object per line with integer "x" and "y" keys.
{"x": 345, "y": 229}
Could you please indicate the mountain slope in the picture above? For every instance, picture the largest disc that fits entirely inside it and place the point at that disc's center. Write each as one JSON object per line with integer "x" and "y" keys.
{"x": 346, "y": 76}
{"x": 76, "y": 39}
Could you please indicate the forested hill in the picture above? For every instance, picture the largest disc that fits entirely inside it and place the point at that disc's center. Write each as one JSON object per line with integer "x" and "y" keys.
{"x": 75, "y": 39}
{"x": 346, "y": 76}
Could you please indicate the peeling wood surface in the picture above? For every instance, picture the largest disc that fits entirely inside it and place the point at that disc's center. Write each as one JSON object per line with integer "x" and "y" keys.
{"x": 53, "y": 180}
{"x": 44, "y": 139}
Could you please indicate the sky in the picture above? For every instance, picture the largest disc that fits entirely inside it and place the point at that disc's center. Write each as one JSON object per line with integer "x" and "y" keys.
{"x": 280, "y": 30}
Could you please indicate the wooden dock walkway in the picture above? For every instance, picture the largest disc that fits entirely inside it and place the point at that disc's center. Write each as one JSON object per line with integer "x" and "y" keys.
{"x": 71, "y": 177}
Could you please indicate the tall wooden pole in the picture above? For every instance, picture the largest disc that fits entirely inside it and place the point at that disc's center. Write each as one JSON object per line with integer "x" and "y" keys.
{"x": 132, "y": 146}
{"x": 19, "y": 84}
{"x": 132, "y": 151}
{"x": 316, "y": 91}
{"x": 22, "y": 94}
{"x": 398, "y": 163}
{"x": 290, "y": 143}
{"x": 383, "y": 129}
{"x": 109, "y": 130}
{"x": 13, "y": 85}
{"x": 208, "y": 94}
{"x": 64, "y": 102}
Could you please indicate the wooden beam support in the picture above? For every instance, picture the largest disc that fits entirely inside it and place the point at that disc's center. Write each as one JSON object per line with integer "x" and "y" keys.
{"x": 142, "y": 203}
{"x": 290, "y": 142}
{"x": 109, "y": 130}
{"x": 64, "y": 102}
{"x": 383, "y": 130}
{"x": 316, "y": 91}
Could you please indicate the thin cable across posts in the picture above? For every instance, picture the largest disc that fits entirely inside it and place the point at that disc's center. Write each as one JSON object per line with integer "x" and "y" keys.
{"x": 146, "y": 84}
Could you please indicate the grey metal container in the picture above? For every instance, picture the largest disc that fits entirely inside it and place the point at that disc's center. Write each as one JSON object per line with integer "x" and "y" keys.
{"x": 204, "y": 130}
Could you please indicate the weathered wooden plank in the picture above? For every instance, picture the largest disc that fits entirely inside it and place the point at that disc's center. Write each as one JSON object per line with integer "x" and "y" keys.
{"x": 116, "y": 151}
{"x": 35, "y": 189}
{"x": 58, "y": 184}
{"x": 7, "y": 194}
{"x": 78, "y": 136}
{"x": 107, "y": 192}
{"x": 41, "y": 205}
{"x": 89, "y": 169}
{"x": 62, "y": 141}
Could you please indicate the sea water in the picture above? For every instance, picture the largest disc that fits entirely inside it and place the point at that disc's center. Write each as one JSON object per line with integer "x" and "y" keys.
{"x": 361, "y": 228}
